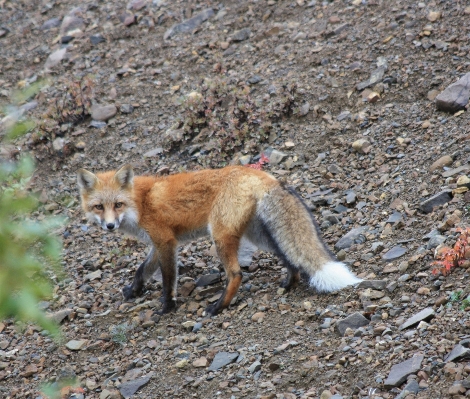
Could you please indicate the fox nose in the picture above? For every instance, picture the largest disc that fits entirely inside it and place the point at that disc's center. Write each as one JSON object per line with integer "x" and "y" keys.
{"x": 110, "y": 226}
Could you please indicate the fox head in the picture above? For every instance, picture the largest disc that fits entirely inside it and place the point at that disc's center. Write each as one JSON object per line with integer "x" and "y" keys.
{"x": 107, "y": 198}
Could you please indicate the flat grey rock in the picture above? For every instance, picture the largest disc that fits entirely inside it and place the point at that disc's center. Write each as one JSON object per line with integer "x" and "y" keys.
{"x": 76, "y": 345}
{"x": 375, "y": 284}
{"x": 103, "y": 112}
{"x": 394, "y": 253}
{"x": 395, "y": 217}
{"x": 208, "y": 279}
{"x": 458, "y": 352}
{"x": 129, "y": 388}
{"x": 456, "y": 171}
{"x": 190, "y": 24}
{"x": 276, "y": 157}
{"x": 255, "y": 366}
{"x": 454, "y": 97}
{"x": 439, "y": 199}
{"x": 355, "y": 236}
{"x": 401, "y": 371}
{"x": 411, "y": 388}
{"x": 222, "y": 359}
{"x": 60, "y": 315}
{"x": 425, "y": 315}
{"x": 71, "y": 23}
{"x": 353, "y": 321}
{"x": 154, "y": 152}
{"x": 375, "y": 77}
{"x": 435, "y": 241}
{"x": 241, "y": 35}
{"x": 50, "y": 24}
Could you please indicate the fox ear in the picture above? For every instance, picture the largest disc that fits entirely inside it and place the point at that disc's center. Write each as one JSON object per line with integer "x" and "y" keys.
{"x": 125, "y": 176}
{"x": 86, "y": 180}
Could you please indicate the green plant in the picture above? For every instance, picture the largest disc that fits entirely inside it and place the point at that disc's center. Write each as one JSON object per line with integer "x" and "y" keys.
{"x": 455, "y": 296}
{"x": 29, "y": 250}
{"x": 465, "y": 303}
{"x": 63, "y": 388}
{"x": 119, "y": 332}
{"x": 222, "y": 118}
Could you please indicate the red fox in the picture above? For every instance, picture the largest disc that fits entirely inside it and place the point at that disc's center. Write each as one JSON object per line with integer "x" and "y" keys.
{"x": 240, "y": 208}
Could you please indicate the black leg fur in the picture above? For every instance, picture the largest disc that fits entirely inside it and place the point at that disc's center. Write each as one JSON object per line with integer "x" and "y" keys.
{"x": 137, "y": 286}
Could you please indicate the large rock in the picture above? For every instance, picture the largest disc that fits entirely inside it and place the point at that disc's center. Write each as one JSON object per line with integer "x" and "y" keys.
{"x": 103, "y": 112}
{"x": 50, "y": 24}
{"x": 458, "y": 352}
{"x": 375, "y": 77}
{"x": 76, "y": 345}
{"x": 129, "y": 388}
{"x": 353, "y": 322}
{"x": 222, "y": 359}
{"x": 241, "y": 35}
{"x": 456, "y": 96}
{"x": 54, "y": 59}
{"x": 412, "y": 388}
{"x": 60, "y": 315}
{"x": 425, "y": 315}
{"x": 445, "y": 160}
{"x": 401, "y": 371}
{"x": 355, "y": 236}
{"x": 375, "y": 284}
{"x": 190, "y": 24}
{"x": 394, "y": 253}
{"x": 208, "y": 279}
{"x": 71, "y": 23}
{"x": 441, "y": 198}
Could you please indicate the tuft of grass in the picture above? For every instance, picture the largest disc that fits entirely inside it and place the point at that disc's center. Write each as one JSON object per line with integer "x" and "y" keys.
{"x": 119, "y": 332}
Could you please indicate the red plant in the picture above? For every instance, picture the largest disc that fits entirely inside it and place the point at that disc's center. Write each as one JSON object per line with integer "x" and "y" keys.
{"x": 448, "y": 257}
{"x": 259, "y": 165}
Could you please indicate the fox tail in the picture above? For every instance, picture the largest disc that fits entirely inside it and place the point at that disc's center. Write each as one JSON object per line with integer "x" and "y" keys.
{"x": 294, "y": 234}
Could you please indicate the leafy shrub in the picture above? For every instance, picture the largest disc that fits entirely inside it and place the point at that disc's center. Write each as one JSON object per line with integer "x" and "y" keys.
{"x": 222, "y": 118}
{"x": 73, "y": 107}
{"x": 28, "y": 248}
{"x": 448, "y": 257}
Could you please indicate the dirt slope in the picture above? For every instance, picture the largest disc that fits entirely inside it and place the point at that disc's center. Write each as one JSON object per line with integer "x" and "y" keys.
{"x": 291, "y": 348}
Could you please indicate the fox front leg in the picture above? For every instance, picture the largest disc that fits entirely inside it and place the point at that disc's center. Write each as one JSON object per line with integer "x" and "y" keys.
{"x": 145, "y": 271}
{"x": 167, "y": 258}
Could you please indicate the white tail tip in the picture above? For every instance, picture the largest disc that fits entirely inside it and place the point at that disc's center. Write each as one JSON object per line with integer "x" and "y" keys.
{"x": 332, "y": 277}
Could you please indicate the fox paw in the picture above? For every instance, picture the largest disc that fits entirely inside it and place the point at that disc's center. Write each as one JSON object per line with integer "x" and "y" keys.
{"x": 286, "y": 284}
{"x": 212, "y": 310}
{"x": 168, "y": 307}
{"x": 128, "y": 293}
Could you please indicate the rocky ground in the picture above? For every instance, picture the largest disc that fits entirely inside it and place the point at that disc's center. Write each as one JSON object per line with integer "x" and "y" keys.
{"x": 383, "y": 168}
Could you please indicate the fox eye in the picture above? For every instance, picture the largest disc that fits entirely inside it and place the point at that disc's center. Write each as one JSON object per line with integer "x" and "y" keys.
{"x": 118, "y": 204}
{"x": 99, "y": 207}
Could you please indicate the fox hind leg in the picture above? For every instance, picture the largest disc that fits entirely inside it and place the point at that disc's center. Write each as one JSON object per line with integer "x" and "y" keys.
{"x": 259, "y": 234}
{"x": 292, "y": 279}
{"x": 227, "y": 249}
